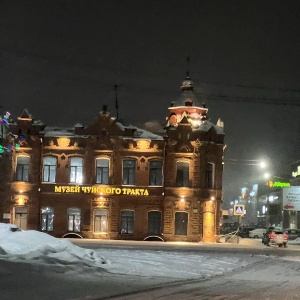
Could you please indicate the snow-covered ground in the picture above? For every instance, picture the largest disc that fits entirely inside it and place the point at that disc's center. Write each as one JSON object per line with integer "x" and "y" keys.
{"x": 37, "y": 247}
{"x": 274, "y": 276}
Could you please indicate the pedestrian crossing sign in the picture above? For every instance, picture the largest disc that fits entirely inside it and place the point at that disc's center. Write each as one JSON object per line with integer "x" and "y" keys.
{"x": 239, "y": 209}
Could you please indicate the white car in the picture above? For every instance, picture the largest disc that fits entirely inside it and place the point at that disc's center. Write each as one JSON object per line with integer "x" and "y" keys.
{"x": 257, "y": 233}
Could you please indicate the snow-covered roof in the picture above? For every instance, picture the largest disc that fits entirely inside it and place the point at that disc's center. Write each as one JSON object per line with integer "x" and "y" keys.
{"x": 207, "y": 125}
{"x": 141, "y": 133}
{"x": 57, "y": 132}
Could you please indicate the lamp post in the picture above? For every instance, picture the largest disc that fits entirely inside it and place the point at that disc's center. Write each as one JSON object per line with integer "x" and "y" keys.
{"x": 267, "y": 176}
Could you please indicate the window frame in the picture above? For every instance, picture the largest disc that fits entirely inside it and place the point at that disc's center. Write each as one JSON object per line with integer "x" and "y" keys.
{"x": 73, "y": 219}
{"x": 210, "y": 175}
{"x": 50, "y": 170}
{"x": 155, "y": 222}
{"x": 155, "y": 172}
{"x": 130, "y": 172}
{"x": 49, "y": 215}
{"x": 76, "y": 171}
{"x": 105, "y": 217}
{"x": 128, "y": 221}
{"x": 101, "y": 171}
{"x": 22, "y": 169}
{"x": 182, "y": 175}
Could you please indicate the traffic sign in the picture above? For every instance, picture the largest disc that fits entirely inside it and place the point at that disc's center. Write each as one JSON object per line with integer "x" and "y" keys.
{"x": 239, "y": 209}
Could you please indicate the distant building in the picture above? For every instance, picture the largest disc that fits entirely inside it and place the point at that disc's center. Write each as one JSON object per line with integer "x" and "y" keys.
{"x": 112, "y": 181}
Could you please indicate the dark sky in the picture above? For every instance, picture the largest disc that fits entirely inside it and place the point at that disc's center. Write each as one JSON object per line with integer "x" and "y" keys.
{"x": 61, "y": 60}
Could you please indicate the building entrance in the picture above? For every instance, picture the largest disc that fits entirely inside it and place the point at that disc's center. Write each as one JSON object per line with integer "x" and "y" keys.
{"x": 21, "y": 217}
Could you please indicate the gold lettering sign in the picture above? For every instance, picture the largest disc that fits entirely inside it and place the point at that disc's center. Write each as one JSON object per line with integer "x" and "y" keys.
{"x": 100, "y": 190}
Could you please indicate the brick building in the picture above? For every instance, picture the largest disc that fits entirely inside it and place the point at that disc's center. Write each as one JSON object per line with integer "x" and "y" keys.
{"x": 111, "y": 181}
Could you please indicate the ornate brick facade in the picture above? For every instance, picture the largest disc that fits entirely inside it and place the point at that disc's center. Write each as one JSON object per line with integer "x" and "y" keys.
{"x": 110, "y": 181}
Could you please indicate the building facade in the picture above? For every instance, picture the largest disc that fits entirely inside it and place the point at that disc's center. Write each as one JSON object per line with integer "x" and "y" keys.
{"x": 110, "y": 181}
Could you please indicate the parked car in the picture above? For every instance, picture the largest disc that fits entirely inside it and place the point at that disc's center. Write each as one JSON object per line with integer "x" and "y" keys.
{"x": 292, "y": 233}
{"x": 257, "y": 233}
{"x": 244, "y": 231}
{"x": 275, "y": 237}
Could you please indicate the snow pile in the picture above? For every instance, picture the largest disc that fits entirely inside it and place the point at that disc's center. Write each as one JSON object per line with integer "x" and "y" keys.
{"x": 35, "y": 246}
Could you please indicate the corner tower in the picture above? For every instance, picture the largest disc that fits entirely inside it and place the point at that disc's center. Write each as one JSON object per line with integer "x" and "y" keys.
{"x": 193, "y": 170}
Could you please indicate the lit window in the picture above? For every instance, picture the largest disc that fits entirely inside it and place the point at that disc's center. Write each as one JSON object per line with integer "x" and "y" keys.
{"x": 102, "y": 171}
{"x": 22, "y": 170}
{"x": 182, "y": 178}
{"x": 155, "y": 173}
{"x": 47, "y": 217}
{"x": 76, "y": 169}
{"x": 100, "y": 220}
{"x": 49, "y": 168}
{"x": 129, "y": 166}
{"x": 74, "y": 219}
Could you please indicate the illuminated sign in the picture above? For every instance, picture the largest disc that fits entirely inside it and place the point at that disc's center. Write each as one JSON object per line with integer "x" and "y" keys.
{"x": 278, "y": 184}
{"x": 66, "y": 189}
{"x": 291, "y": 198}
{"x": 297, "y": 173}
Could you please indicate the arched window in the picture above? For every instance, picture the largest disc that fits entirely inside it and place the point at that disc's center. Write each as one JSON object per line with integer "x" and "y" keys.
{"x": 129, "y": 167}
{"x": 22, "y": 170}
{"x": 76, "y": 169}
{"x": 155, "y": 172}
{"x": 49, "y": 168}
{"x": 47, "y": 217}
{"x": 74, "y": 219}
{"x": 102, "y": 170}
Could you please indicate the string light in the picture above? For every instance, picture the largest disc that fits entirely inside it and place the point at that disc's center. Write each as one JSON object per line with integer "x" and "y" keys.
{"x": 20, "y": 139}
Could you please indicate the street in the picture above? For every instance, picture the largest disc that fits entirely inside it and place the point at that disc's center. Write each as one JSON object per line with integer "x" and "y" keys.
{"x": 274, "y": 274}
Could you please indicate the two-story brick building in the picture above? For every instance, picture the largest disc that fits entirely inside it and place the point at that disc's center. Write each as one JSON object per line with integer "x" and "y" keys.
{"x": 112, "y": 181}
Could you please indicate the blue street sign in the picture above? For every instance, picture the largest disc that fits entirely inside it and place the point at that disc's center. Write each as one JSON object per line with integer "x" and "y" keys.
{"x": 239, "y": 209}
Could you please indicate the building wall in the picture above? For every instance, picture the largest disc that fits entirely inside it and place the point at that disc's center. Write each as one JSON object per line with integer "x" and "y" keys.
{"x": 196, "y": 204}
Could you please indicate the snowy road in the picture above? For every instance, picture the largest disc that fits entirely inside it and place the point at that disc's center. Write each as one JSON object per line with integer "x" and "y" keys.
{"x": 272, "y": 278}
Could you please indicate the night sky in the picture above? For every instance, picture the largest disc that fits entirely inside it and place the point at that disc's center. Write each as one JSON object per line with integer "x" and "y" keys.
{"x": 62, "y": 59}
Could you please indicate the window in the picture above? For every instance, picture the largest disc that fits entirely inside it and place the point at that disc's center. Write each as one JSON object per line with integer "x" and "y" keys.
{"x": 102, "y": 171}
{"x": 100, "y": 220}
{"x": 154, "y": 222}
{"x": 74, "y": 219}
{"x": 209, "y": 180}
{"x": 182, "y": 178}
{"x": 22, "y": 171}
{"x": 47, "y": 216}
{"x": 129, "y": 172}
{"x": 155, "y": 173}
{"x": 127, "y": 221}
{"x": 181, "y": 223}
{"x": 49, "y": 171}
{"x": 76, "y": 170}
